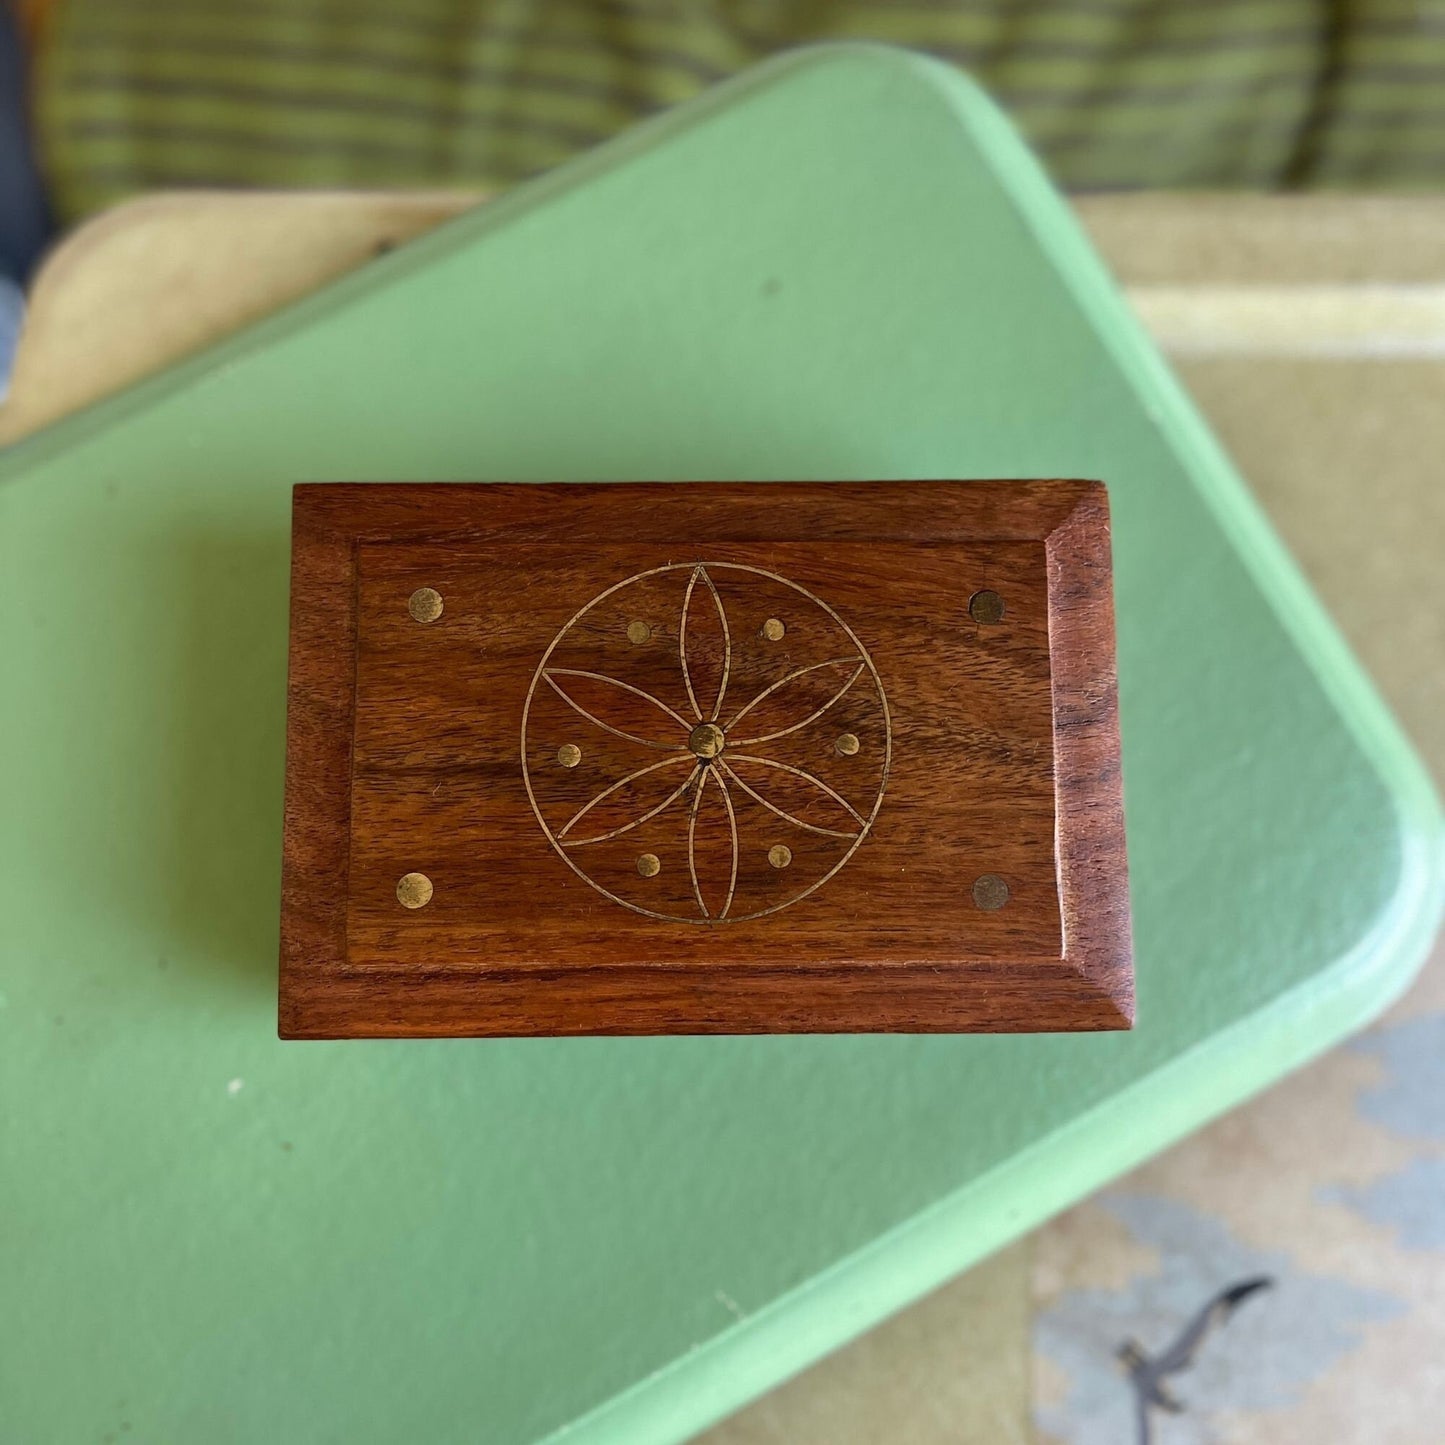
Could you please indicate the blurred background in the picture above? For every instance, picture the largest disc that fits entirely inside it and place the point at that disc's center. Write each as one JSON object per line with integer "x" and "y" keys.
{"x": 102, "y": 99}
{"x": 112, "y": 97}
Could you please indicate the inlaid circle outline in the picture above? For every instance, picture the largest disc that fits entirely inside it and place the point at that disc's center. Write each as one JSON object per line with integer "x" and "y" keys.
{"x": 697, "y": 568}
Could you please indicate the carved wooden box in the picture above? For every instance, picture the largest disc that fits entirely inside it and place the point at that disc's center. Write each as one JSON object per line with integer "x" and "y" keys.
{"x": 702, "y": 758}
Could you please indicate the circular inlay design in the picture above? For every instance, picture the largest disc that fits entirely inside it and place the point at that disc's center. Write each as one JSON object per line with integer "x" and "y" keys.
{"x": 569, "y": 755}
{"x": 756, "y": 711}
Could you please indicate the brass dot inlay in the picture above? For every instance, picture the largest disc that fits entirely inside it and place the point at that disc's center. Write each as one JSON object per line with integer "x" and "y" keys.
{"x": 638, "y": 632}
{"x": 414, "y": 890}
{"x": 649, "y": 865}
{"x": 425, "y": 604}
{"x": 569, "y": 755}
{"x": 990, "y": 892}
{"x": 706, "y": 740}
{"x": 847, "y": 744}
{"x": 773, "y": 629}
{"x": 780, "y": 855}
{"x": 986, "y": 607}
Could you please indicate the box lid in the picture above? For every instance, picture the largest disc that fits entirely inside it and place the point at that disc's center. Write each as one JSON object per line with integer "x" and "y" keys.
{"x": 798, "y": 757}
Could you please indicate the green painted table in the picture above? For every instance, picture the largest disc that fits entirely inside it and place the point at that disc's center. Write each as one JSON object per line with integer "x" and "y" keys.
{"x": 840, "y": 266}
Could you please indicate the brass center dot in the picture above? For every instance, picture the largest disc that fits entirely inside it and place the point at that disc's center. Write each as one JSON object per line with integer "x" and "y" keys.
{"x": 649, "y": 865}
{"x": 780, "y": 855}
{"x": 706, "y": 740}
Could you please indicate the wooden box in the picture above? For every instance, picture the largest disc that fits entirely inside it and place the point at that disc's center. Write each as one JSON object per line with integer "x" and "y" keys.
{"x": 702, "y": 758}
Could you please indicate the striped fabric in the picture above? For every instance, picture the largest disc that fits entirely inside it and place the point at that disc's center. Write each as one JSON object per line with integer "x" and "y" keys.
{"x": 1115, "y": 93}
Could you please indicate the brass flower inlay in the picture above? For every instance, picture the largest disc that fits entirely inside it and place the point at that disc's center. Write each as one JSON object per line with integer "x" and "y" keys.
{"x": 714, "y": 711}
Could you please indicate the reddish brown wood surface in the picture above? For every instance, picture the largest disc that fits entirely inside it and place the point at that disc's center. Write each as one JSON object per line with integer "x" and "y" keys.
{"x": 800, "y": 882}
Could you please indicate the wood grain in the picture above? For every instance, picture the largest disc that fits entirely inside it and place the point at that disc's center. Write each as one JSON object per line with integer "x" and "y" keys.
{"x": 981, "y": 749}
